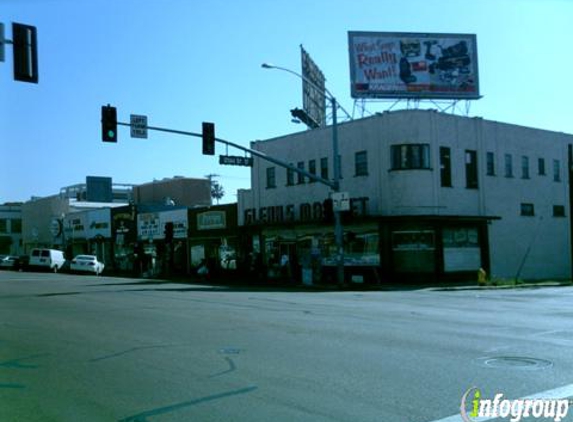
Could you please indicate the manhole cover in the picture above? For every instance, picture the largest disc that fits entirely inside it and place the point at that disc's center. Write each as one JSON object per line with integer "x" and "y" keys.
{"x": 516, "y": 362}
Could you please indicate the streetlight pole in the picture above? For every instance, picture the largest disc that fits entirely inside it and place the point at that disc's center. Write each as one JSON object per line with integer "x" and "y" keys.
{"x": 338, "y": 232}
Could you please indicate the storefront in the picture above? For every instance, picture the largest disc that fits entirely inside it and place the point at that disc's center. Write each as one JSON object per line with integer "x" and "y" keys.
{"x": 438, "y": 248}
{"x": 89, "y": 232}
{"x": 377, "y": 250}
{"x": 124, "y": 233}
{"x": 162, "y": 242}
{"x": 214, "y": 240}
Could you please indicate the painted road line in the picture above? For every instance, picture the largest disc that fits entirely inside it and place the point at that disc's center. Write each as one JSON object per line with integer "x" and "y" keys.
{"x": 556, "y": 394}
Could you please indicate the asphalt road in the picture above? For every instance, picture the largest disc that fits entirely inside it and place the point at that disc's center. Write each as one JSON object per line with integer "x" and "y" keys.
{"x": 84, "y": 348}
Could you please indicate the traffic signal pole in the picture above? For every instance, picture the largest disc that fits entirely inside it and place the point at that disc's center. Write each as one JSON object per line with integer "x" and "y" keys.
{"x": 254, "y": 152}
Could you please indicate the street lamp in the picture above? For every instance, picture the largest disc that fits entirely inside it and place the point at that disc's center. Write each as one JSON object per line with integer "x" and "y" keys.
{"x": 335, "y": 164}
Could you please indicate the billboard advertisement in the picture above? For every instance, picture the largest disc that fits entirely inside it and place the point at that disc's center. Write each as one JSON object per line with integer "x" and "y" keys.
{"x": 413, "y": 65}
{"x": 313, "y": 89}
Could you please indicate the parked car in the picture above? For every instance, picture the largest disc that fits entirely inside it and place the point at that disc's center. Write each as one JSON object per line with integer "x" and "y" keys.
{"x": 87, "y": 263}
{"x": 10, "y": 262}
{"x": 52, "y": 259}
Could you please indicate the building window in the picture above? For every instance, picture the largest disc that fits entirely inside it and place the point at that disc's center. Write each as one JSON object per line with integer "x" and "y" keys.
{"x": 558, "y": 211}
{"x": 3, "y": 225}
{"x": 300, "y": 177}
{"x": 290, "y": 176}
{"x": 471, "y": 169}
{"x": 410, "y": 156}
{"x": 361, "y": 163}
{"x": 527, "y": 210}
{"x": 16, "y": 225}
{"x": 312, "y": 169}
{"x": 508, "y": 165}
{"x": 490, "y": 164}
{"x": 541, "y": 166}
{"x": 556, "y": 171}
{"x": 271, "y": 178}
{"x": 324, "y": 168}
{"x": 445, "y": 167}
{"x": 524, "y": 167}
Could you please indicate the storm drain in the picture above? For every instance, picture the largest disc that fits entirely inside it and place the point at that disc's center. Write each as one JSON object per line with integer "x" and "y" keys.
{"x": 515, "y": 362}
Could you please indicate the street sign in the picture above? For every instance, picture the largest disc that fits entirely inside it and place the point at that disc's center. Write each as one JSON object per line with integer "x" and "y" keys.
{"x": 138, "y": 126}
{"x": 340, "y": 201}
{"x": 234, "y": 160}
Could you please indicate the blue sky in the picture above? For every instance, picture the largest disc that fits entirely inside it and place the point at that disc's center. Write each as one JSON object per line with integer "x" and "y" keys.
{"x": 181, "y": 62}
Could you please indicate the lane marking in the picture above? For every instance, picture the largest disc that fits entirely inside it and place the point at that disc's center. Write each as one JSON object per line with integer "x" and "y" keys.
{"x": 554, "y": 394}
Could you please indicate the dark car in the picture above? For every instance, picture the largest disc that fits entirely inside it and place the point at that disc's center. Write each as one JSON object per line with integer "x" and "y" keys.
{"x": 11, "y": 262}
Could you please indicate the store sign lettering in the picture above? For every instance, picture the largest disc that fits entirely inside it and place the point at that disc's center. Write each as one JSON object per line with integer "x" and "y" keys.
{"x": 305, "y": 212}
{"x": 211, "y": 220}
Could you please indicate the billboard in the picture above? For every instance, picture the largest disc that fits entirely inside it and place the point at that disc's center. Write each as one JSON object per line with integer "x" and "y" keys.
{"x": 313, "y": 89}
{"x": 413, "y": 65}
{"x": 99, "y": 189}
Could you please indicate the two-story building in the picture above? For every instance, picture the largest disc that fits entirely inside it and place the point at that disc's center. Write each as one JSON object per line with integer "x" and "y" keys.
{"x": 433, "y": 196}
{"x": 11, "y": 228}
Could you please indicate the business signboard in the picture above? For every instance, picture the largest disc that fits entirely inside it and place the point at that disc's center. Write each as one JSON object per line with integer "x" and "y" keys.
{"x": 151, "y": 226}
{"x": 413, "y": 65}
{"x": 313, "y": 89}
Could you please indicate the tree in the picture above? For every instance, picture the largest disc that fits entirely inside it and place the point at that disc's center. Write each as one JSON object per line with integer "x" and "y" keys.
{"x": 217, "y": 191}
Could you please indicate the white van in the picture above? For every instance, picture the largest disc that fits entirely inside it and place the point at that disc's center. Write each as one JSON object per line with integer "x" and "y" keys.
{"x": 52, "y": 259}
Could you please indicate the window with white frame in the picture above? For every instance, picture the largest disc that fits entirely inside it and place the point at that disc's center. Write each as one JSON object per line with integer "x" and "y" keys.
{"x": 410, "y": 156}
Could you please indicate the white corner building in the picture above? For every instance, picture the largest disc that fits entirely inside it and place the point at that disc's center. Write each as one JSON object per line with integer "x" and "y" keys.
{"x": 434, "y": 196}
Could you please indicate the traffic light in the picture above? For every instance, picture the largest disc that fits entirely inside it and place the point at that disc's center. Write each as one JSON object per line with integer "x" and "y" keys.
{"x": 108, "y": 124}
{"x": 25, "y": 49}
{"x": 168, "y": 232}
{"x": 2, "y": 42}
{"x": 303, "y": 116}
{"x": 208, "y": 138}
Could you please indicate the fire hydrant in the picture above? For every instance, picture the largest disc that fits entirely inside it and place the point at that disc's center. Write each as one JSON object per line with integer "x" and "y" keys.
{"x": 482, "y": 277}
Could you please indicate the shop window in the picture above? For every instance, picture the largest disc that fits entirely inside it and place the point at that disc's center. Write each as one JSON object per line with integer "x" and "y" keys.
{"x": 525, "y": 167}
{"x": 527, "y": 210}
{"x": 360, "y": 249}
{"x": 445, "y": 167}
{"x": 312, "y": 169}
{"x": 508, "y": 165}
{"x": 461, "y": 249}
{"x": 324, "y": 168}
{"x": 299, "y": 176}
{"x": 361, "y": 163}
{"x": 271, "y": 178}
{"x": 3, "y": 225}
{"x": 556, "y": 171}
{"x": 410, "y": 156}
{"x": 490, "y": 164}
{"x": 471, "y": 169}
{"x": 541, "y": 166}
{"x": 558, "y": 211}
{"x": 414, "y": 251}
